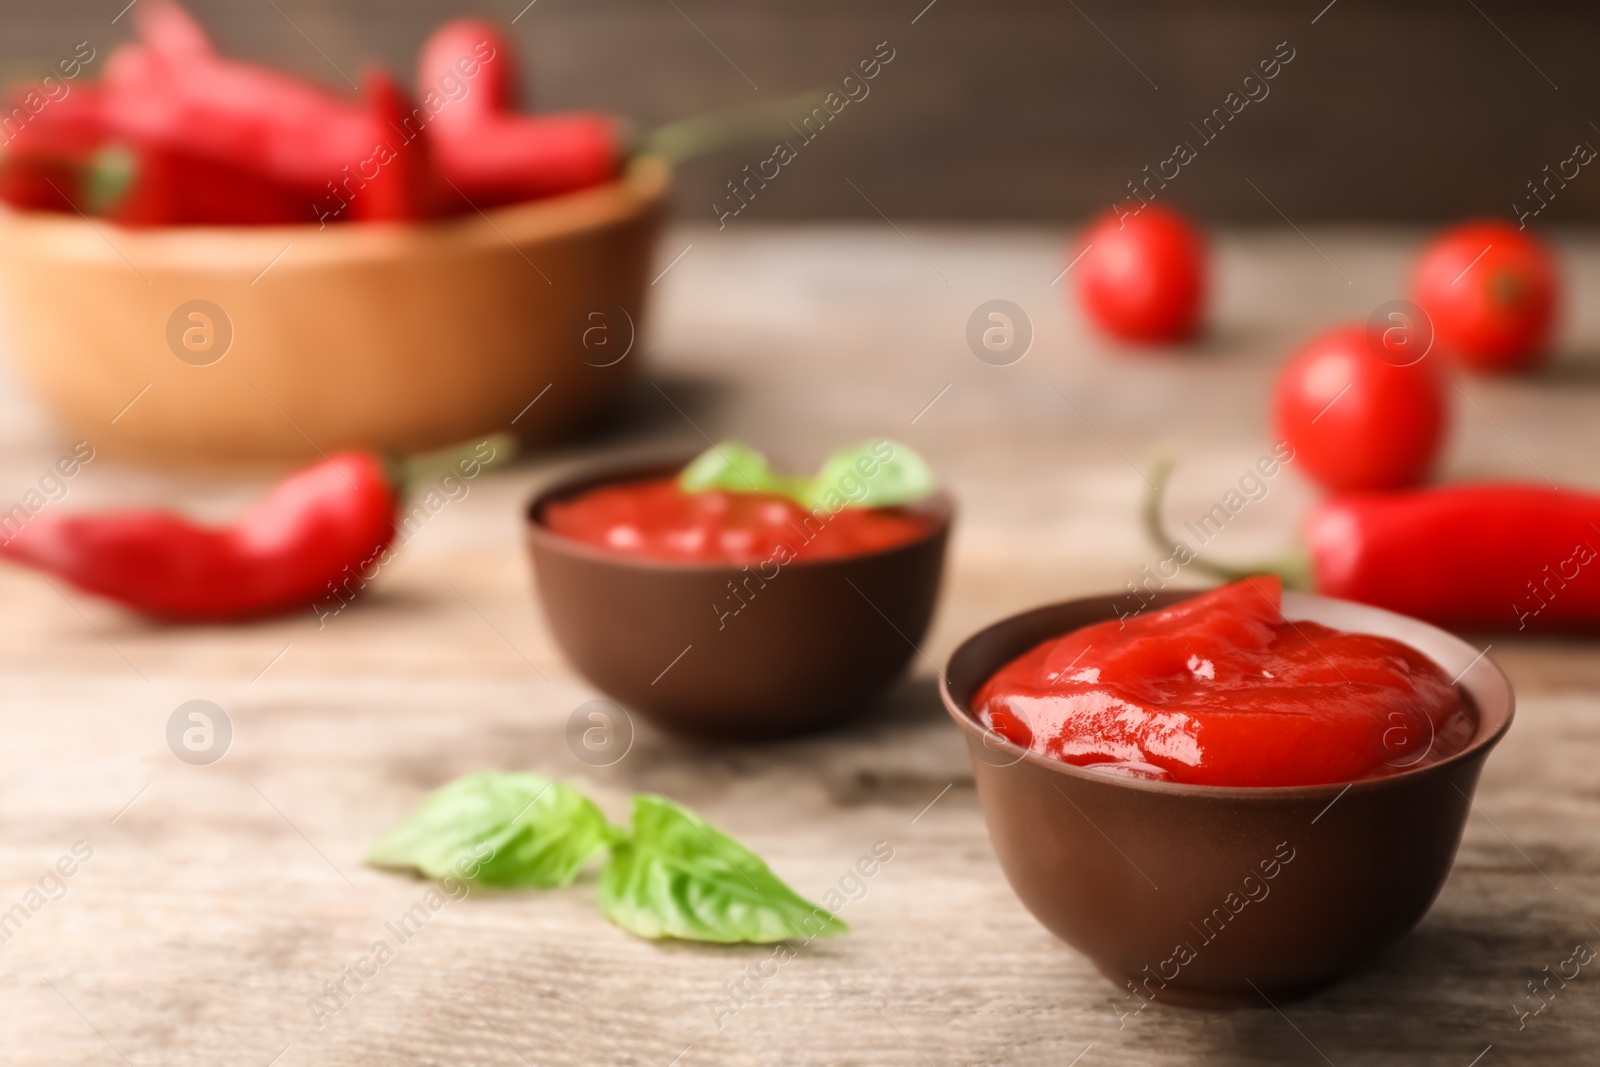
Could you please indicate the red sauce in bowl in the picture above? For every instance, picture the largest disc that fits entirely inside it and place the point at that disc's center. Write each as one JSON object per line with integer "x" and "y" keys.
{"x": 1223, "y": 690}
{"x": 655, "y": 519}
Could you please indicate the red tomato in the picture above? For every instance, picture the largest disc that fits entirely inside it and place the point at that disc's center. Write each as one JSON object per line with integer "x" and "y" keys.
{"x": 1357, "y": 421}
{"x": 1143, "y": 276}
{"x": 1491, "y": 290}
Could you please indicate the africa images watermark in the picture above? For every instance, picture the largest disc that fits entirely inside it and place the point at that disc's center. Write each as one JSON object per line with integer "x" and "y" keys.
{"x": 51, "y": 488}
{"x": 811, "y": 126}
{"x": 52, "y": 885}
{"x": 49, "y": 90}
{"x": 338, "y": 993}
{"x": 1253, "y": 486}
{"x": 1552, "y": 583}
{"x": 1582, "y": 155}
{"x": 453, "y": 86}
{"x": 1252, "y": 889}
{"x": 452, "y": 487}
{"x": 1582, "y": 955}
{"x": 1211, "y": 126}
{"x": 851, "y": 887}
{"x": 850, "y": 488}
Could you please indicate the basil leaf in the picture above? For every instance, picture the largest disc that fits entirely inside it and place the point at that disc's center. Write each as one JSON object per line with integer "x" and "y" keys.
{"x": 891, "y": 473}
{"x": 733, "y": 467}
{"x": 676, "y": 876}
{"x": 499, "y": 830}
{"x": 876, "y": 474}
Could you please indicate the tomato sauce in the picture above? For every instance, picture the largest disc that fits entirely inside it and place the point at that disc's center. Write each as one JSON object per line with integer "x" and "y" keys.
{"x": 657, "y": 520}
{"x": 1223, "y": 690}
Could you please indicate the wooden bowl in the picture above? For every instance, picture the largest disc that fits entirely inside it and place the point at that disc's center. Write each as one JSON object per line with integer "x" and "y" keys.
{"x": 1223, "y": 897}
{"x": 394, "y": 336}
{"x": 816, "y": 643}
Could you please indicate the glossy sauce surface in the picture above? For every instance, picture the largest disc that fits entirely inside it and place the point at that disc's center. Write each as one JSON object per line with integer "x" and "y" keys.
{"x": 1222, "y": 690}
{"x": 655, "y": 519}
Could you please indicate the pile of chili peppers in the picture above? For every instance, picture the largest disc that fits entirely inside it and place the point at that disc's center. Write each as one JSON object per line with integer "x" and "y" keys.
{"x": 174, "y": 133}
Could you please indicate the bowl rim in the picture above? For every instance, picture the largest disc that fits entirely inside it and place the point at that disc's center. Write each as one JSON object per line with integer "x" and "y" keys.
{"x": 1494, "y": 717}
{"x": 640, "y": 185}
{"x": 939, "y": 507}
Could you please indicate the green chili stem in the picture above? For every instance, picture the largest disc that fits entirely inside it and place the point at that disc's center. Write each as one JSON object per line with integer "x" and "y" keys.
{"x": 408, "y": 473}
{"x": 700, "y": 135}
{"x": 1293, "y": 568}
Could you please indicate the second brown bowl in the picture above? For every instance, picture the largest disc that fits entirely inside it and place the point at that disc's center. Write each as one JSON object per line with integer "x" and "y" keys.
{"x": 821, "y": 639}
{"x": 1215, "y": 896}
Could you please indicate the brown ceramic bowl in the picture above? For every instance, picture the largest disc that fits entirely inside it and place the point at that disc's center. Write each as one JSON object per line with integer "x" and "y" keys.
{"x": 1164, "y": 886}
{"x": 820, "y": 640}
{"x": 391, "y": 336}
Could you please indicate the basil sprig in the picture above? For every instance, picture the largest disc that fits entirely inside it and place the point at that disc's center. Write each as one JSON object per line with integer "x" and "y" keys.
{"x": 669, "y": 873}
{"x": 874, "y": 474}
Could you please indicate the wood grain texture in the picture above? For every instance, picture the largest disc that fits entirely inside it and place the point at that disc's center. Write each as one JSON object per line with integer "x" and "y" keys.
{"x": 219, "y": 899}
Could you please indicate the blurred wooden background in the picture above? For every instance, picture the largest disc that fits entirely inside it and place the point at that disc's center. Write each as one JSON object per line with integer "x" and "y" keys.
{"x": 1018, "y": 109}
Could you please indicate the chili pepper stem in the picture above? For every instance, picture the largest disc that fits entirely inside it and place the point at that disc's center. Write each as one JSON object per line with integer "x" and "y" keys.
{"x": 700, "y": 135}
{"x": 108, "y": 177}
{"x": 1293, "y": 568}
{"x": 409, "y": 473}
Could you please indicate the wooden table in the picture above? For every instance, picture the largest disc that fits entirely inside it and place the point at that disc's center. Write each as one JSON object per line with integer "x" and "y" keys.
{"x": 220, "y": 898}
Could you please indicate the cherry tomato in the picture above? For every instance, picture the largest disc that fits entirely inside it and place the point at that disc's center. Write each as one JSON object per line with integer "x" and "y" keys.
{"x": 1361, "y": 419}
{"x": 1491, "y": 290}
{"x": 1143, "y": 276}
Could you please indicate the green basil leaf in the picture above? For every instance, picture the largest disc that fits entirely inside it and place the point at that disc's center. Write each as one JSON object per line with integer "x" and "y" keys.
{"x": 676, "y": 876}
{"x": 875, "y": 474}
{"x": 498, "y": 829}
{"x": 733, "y": 467}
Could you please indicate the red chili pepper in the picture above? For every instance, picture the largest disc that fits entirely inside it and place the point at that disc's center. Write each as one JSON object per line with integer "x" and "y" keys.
{"x": 35, "y": 125}
{"x": 468, "y": 76}
{"x": 47, "y": 145}
{"x": 170, "y": 30}
{"x": 468, "y": 70}
{"x": 38, "y": 184}
{"x": 211, "y": 132}
{"x": 1504, "y": 557}
{"x": 506, "y": 159}
{"x": 309, "y": 534}
{"x": 155, "y": 185}
{"x": 1497, "y": 557}
{"x": 396, "y": 180}
{"x": 288, "y": 131}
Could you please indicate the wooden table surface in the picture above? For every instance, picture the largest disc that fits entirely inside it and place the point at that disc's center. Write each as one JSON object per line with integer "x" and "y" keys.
{"x": 219, "y": 899}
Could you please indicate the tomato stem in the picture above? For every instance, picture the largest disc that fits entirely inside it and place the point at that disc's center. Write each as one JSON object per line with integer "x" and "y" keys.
{"x": 1293, "y": 568}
